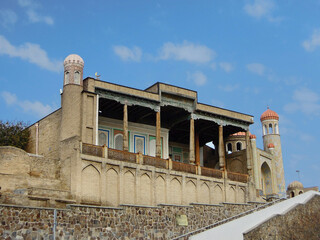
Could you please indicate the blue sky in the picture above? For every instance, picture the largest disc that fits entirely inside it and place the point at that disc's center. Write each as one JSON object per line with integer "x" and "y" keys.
{"x": 239, "y": 55}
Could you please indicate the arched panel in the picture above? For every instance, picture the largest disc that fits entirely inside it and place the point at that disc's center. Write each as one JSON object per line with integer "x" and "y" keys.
{"x": 191, "y": 192}
{"x": 145, "y": 190}
{"x": 160, "y": 190}
{"x": 236, "y": 166}
{"x": 112, "y": 187}
{"x": 175, "y": 192}
{"x": 128, "y": 188}
{"x": 242, "y": 196}
{"x": 266, "y": 179}
{"x": 217, "y": 194}
{"x": 231, "y": 195}
{"x": 204, "y": 194}
{"x": 90, "y": 184}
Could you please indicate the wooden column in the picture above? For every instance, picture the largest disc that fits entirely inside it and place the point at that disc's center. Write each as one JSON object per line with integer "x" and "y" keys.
{"x": 197, "y": 149}
{"x": 191, "y": 142}
{"x": 248, "y": 153}
{"x": 158, "y": 134}
{"x": 222, "y": 159}
{"x": 125, "y": 128}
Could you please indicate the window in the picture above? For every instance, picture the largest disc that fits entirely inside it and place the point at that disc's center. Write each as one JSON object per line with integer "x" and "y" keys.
{"x": 118, "y": 141}
{"x": 264, "y": 129}
{"x": 239, "y": 146}
{"x": 77, "y": 77}
{"x": 229, "y": 148}
{"x": 102, "y": 139}
{"x": 139, "y": 144}
{"x": 66, "y": 77}
{"x": 270, "y": 129}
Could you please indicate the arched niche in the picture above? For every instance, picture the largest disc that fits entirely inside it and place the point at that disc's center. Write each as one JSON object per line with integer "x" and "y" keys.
{"x": 266, "y": 180}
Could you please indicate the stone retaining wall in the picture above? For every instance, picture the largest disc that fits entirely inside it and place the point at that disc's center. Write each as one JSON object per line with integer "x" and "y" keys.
{"x": 302, "y": 222}
{"x": 126, "y": 222}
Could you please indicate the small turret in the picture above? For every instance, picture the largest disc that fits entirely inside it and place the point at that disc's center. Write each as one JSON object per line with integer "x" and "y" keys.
{"x": 71, "y": 97}
{"x": 73, "y": 70}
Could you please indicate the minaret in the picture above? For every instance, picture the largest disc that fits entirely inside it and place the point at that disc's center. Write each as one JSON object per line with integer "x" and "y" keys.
{"x": 271, "y": 137}
{"x": 71, "y": 97}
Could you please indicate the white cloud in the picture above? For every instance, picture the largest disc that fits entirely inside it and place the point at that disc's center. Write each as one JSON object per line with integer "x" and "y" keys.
{"x": 127, "y": 54}
{"x": 9, "y": 98}
{"x": 312, "y": 43}
{"x": 33, "y": 53}
{"x": 213, "y": 66}
{"x": 229, "y": 87}
{"x": 305, "y": 101}
{"x": 198, "y": 78}
{"x": 256, "y": 68}
{"x": 186, "y": 51}
{"x": 262, "y": 9}
{"x": 225, "y": 66}
{"x": 33, "y": 15}
{"x": 27, "y": 3}
{"x": 8, "y": 18}
{"x": 30, "y": 107}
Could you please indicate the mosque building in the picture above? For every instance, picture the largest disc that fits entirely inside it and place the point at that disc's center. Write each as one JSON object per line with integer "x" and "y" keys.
{"x": 110, "y": 144}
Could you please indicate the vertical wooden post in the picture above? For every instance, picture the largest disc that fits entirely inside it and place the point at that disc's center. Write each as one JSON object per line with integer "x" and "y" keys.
{"x": 248, "y": 153}
{"x": 191, "y": 141}
{"x": 197, "y": 149}
{"x": 125, "y": 128}
{"x": 158, "y": 134}
{"x": 221, "y": 149}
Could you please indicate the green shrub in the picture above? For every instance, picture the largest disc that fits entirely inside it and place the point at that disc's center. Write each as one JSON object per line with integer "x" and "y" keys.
{"x": 14, "y": 134}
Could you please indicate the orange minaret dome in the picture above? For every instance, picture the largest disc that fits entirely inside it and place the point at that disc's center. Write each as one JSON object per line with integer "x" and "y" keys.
{"x": 269, "y": 114}
{"x": 270, "y": 145}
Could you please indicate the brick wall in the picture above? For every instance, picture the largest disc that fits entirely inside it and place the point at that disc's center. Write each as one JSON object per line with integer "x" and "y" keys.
{"x": 127, "y": 222}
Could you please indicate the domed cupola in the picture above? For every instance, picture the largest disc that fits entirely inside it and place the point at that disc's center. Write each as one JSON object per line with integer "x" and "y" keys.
{"x": 269, "y": 114}
{"x": 73, "y": 70}
{"x": 269, "y": 120}
{"x": 294, "y": 189}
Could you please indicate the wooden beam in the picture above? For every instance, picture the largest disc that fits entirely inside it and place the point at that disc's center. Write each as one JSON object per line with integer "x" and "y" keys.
{"x": 158, "y": 135}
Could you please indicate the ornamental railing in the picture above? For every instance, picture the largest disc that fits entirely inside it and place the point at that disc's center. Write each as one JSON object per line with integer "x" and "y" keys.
{"x": 155, "y": 161}
{"x": 238, "y": 177}
{"x": 210, "y": 172}
{"x": 92, "y": 150}
{"x": 122, "y": 155}
{"x": 184, "y": 167}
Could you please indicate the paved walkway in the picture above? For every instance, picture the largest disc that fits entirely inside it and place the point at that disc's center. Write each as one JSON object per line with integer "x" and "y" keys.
{"x": 235, "y": 229}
